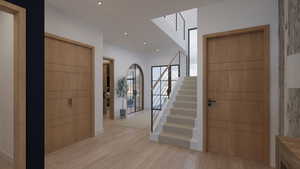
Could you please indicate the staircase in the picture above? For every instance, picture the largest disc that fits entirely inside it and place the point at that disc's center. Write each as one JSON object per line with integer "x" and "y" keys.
{"x": 176, "y": 122}
{"x": 179, "y": 127}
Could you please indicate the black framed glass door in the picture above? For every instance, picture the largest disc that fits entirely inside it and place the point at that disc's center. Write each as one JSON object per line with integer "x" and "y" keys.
{"x": 135, "y": 94}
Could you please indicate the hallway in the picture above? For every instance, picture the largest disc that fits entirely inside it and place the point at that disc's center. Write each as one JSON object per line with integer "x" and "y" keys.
{"x": 130, "y": 148}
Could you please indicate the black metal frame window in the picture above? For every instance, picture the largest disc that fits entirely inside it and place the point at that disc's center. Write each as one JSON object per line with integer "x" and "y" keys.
{"x": 191, "y": 53}
{"x": 160, "y": 93}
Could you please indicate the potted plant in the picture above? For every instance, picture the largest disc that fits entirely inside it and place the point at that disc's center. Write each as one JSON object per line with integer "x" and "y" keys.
{"x": 122, "y": 93}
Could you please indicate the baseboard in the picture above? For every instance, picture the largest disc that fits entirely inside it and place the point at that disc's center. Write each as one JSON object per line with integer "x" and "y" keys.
{"x": 195, "y": 145}
{"x": 6, "y": 158}
{"x": 154, "y": 137}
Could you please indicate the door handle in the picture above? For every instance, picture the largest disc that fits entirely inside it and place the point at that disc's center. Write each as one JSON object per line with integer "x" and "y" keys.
{"x": 210, "y": 102}
{"x": 70, "y": 101}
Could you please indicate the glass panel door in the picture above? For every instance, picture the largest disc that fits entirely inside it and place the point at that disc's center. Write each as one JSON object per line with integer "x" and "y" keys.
{"x": 135, "y": 94}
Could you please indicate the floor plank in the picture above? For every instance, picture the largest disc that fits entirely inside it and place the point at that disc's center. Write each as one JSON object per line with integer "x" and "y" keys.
{"x": 129, "y": 148}
{"x": 4, "y": 164}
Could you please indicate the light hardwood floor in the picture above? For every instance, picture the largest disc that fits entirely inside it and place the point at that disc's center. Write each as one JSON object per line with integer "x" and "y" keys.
{"x": 4, "y": 164}
{"x": 129, "y": 148}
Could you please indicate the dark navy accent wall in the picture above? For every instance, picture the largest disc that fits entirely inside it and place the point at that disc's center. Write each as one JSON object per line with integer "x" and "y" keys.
{"x": 35, "y": 81}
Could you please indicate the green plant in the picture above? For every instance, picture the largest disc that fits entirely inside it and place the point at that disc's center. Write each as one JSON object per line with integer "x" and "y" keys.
{"x": 122, "y": 89}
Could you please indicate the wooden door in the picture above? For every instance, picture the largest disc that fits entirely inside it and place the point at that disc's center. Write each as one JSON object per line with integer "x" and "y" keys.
{"x": 237, "y": 79}
{"x": 69, "y": 101}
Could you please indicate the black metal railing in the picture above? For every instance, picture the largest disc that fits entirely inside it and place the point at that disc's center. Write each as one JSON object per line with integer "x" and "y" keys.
{"x": 179, "y": 17}
{"x": 165, "y": 89}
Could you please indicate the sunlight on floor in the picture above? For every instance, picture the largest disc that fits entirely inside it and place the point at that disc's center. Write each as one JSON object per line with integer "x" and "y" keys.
{"x": 141, "y": 120}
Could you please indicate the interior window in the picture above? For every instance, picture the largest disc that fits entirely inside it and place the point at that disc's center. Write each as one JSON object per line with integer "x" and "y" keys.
{"x": 160, "y": 94}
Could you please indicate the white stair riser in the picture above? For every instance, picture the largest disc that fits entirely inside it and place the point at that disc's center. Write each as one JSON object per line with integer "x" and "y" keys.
{"x": 188, "y": 122}
{"x": 177, "y": 130}
{"x": 188, "y": 105}
{"x": 187, "y": 92}
{"x": 183, "y": 113}
{"x": 189, "y": 83}
{"x": 186, "y": 98}
{"x": 188, "y": 88}
{"x": 174, "y": 141}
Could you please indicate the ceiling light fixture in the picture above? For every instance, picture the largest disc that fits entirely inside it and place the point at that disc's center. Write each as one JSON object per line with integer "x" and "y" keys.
{"x": 157, "y": 50}
{"x": 145, "y": 43}
{"x": 100, "y": 3}
{"x": 125, "y": 33}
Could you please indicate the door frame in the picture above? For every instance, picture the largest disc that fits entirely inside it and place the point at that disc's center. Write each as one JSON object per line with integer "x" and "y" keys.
{"x": 112, "y": 84}
{"x": 19, "y": 88}
{"x": 266, "y": 30}
{"x": 92, "y": 48}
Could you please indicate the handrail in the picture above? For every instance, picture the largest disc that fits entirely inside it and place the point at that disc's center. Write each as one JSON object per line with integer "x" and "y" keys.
{"x": 184, "y": 24}
{"x": 176, "y": 23}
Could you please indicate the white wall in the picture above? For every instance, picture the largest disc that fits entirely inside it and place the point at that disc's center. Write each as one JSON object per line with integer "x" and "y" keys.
{"x": 6, "y": 85}
{"x": 66, "y": 26}
{"x": 123, "y": 60}
{"x": 191, "y": 18}
{"x": 236, "y": 14}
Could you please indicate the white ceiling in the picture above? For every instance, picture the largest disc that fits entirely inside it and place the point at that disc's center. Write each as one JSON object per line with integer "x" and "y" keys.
{"x": 115, "y": 17}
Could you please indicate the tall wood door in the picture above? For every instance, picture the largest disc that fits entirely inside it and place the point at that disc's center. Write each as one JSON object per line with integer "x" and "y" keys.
{"x": 68, "y": 93}
{"x": 237, "y": 93}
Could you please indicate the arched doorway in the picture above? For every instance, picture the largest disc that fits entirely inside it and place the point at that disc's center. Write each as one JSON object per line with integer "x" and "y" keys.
{"x": 135, "y": 94}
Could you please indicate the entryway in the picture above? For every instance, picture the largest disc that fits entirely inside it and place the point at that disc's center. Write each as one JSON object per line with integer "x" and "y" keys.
{"x": 236, "y": 93}
{"x": 108, "y": 88}
{"x": 135, "y": 94}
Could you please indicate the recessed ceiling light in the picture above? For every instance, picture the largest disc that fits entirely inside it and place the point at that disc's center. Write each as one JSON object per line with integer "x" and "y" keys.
{"x": 100, "y": 3}
{"x": 125, "y": 33}
{"x": 145, "y": 43}
{"x": 157, "y": 50}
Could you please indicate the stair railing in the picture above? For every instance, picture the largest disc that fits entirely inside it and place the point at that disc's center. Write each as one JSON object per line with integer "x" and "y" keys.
{"x": 166, "y": 88}
{"x": 179, "y": 22}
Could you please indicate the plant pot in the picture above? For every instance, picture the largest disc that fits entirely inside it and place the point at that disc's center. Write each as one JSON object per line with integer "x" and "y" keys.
{"x": 122, "y": 113}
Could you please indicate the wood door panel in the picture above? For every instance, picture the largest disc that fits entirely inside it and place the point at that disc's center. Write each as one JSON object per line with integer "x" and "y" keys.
{"x": 68, "y": 93}
{"x": 237, "y": 79}
{"x": 58, "y": 108}
{"x": 236, "y": 48}
{"x": 58, "y": 136}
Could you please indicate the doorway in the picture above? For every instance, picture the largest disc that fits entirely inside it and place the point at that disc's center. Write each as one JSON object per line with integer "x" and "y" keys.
{"x": 108, "y": 88}
{"x": 236, "y": 93}
{"x": 135, "y": 94}
{"x": 13, "y": 86}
